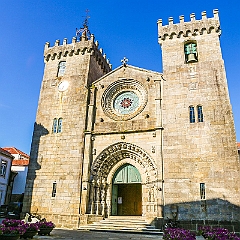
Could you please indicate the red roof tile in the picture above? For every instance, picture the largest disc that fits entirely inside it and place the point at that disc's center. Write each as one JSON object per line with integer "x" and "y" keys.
{"x": 20, "y": 162}
{"x": 14, "y": 150}
{"x": 238, "y": 145}
{"x": 5, "y": 152}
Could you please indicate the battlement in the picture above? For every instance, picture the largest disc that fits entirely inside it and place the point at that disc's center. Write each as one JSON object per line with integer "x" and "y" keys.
{"x": 84, "y": 46}
{"x": 192, "y": 28}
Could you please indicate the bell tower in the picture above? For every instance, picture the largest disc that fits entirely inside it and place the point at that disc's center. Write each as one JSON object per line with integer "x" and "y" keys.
{"x": 199, "y": 135}
{"x": 54, "y": 177}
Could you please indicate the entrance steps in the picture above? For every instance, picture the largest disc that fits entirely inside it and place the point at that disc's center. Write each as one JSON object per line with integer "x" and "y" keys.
{"x": 134, "y": 224}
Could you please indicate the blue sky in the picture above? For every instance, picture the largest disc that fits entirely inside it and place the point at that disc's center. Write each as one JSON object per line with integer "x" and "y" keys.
{"x": 123, "y": 28}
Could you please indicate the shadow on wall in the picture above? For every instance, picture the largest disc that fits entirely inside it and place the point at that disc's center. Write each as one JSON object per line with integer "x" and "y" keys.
{"x": 213, "y": 212}
{"x": 34, "y": 165}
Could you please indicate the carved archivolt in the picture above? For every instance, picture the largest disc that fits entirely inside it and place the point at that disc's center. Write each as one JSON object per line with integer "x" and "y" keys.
{"x": 115, "y": 153}
{"x": 119, "y": 87}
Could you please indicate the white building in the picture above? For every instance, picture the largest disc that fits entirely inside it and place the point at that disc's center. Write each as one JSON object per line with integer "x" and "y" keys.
{"x": 19, "y": 166}
{"x": 5, "y": 170}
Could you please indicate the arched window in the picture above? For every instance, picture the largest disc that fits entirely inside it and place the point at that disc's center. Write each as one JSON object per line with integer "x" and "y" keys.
{"x": 57, "y": 125}
{"x": 190, "y": 50}
{"x": 191, "y": 114}
{"x": 200, "y": 113}
{"x": 61, "y": 68}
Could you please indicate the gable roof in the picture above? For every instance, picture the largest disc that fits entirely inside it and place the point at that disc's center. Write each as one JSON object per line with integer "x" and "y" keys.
{"x": 6, "y": 153}
{"x": 22, "y": 161}
{"x": 14, "y": 150}
{"x": 126, "y": 66}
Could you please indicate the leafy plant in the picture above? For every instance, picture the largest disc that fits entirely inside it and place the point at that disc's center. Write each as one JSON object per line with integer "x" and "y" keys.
{"x": 45, "y": 224}
{"x": 12, "y": 226}
{"x": 178, "y": 234}
{"x": 32, "y": 226}
{"x": 211, "y": 233}
{"x": 12, "y": 222}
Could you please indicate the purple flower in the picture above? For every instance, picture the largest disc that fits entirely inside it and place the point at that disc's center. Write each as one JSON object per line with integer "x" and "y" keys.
{"x": 211, "y": 233}
{"x": 178, "y": 234}
{"x": 12, "y": 222}
{"x": 45, "y": 224}
{"x": 21, "y": 229}
{"x": 32, "y": 226}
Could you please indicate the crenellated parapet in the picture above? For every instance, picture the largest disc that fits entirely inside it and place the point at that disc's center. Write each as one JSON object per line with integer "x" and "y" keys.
{"x": 192, "y": 28}
{"x": 84, "y": 46}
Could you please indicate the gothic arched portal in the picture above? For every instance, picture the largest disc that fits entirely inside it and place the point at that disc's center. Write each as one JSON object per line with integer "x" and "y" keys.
{"x": 109, "y": 167}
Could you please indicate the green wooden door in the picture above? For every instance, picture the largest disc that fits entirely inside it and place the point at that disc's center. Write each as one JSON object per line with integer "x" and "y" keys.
{"x": 127, "y": 191}
{"x": 127, "y": 174}
{"x": 114, "y": 199}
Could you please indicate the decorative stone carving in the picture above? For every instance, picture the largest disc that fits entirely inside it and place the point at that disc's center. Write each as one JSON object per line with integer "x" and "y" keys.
{"x": 124, "y": 99}
{"x": 109, "y": 157}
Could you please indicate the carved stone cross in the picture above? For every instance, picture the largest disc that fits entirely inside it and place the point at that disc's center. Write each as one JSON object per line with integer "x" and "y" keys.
{"x": 124, "y": 61}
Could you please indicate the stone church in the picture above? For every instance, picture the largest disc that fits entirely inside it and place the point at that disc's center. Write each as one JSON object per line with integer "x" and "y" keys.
{"x": 134, "y": 142}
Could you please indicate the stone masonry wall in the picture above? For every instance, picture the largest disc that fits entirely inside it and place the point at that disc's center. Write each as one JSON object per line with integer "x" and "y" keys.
{"x": 200, "y": 152}
{"x": 57, "y": 157}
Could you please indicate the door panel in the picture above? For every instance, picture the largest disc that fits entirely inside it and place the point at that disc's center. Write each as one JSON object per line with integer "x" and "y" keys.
{"x": 131, "y": 195}
{"x": 114, "y": 199}
{"x": 127, "y": 174}
{"x": 127, "y": 191}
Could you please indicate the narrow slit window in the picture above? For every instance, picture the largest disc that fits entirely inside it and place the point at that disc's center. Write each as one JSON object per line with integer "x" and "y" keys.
{"x": 202, "y": 191}
{"x": 200, "y": 113}
{"x": 59, "y": 125}
{"x": 61, "y": 68}
{"x": 191, "y": 114}
{"x": 55, "y": 125}
{"x": 54, "y": 189}
{"x": 190, "y": 50}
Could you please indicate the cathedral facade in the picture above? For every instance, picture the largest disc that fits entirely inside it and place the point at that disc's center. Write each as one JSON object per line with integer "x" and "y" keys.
{"x": 134, "y": 142}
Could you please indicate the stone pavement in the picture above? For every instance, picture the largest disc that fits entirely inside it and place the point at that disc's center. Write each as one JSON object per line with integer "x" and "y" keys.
{"x": 95, "y": 235}
{"x": 92, "y": 235}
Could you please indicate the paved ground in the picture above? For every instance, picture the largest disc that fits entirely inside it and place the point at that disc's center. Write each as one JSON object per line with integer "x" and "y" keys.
{"x": 92, "y": 235}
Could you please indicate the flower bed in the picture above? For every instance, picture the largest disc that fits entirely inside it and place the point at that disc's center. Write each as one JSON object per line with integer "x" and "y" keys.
{"x": 12, "y": 226}
{"x": 13, "y": 229}
{"x": 178, "y": 234}
{"x": 45, "y": 224}
{"x": 45, "y": 227}
{"x": 207, "y": 232}
{"x": 211, "y": 233}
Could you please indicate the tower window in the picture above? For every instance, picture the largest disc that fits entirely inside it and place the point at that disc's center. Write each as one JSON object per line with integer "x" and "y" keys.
{"x": 54, "y": 189}
{"x": 57, "y": 125}
{"x": 202, "y": 191}
{"x": 200, "y": 113}
{"x": 61, "y": 68}
{"x": 191, "y": 114}
{"x": 190, "y": 50}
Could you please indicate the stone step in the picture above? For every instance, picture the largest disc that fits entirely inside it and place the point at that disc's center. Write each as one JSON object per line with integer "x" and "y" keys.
{"x": 122, "y": 223}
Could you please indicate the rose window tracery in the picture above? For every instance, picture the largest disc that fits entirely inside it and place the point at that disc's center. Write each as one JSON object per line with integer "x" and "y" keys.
{"x": 126, "y": 102}
{"x": 124, "y": 99}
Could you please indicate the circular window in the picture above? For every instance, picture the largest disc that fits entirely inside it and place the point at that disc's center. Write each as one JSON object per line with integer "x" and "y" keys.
{"x": 126, "y": 102}
{"x": 124, "y": 99}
